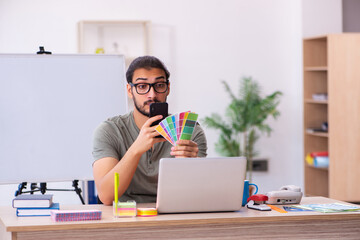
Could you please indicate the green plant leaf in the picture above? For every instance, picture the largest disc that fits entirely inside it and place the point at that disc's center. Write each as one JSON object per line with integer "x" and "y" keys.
{"x": 245, "y": 118}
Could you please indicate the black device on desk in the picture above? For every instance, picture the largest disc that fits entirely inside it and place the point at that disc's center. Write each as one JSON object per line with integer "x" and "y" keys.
{"x": 158, "y": 108}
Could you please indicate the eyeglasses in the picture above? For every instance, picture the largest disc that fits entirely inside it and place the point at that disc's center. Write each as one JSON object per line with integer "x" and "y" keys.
{"x": 144, "y": 88}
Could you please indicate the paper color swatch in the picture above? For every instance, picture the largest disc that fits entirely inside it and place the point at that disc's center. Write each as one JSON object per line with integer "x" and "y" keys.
{"x": 179, "y": 126}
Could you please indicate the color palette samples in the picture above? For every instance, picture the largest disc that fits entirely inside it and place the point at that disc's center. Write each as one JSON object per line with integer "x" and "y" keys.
{"x": 179, "y": 126}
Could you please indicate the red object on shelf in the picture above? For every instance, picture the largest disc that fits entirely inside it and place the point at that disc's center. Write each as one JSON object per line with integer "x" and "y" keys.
{"x": 319, "y": 154}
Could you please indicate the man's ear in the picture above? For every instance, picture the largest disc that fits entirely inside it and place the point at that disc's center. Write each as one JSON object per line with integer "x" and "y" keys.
{"x": 168, "y": 89}
{"x": 128, "y": 90}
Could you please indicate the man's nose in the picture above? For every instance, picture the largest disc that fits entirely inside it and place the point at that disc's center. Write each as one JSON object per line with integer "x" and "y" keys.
{"x": 151, "y": 92}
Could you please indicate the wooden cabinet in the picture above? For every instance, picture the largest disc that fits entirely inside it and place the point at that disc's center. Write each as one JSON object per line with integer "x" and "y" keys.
{"x": 332, "y": 66}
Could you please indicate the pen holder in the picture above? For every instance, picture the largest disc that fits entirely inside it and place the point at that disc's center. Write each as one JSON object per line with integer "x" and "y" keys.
{"x": 124, "y": 209}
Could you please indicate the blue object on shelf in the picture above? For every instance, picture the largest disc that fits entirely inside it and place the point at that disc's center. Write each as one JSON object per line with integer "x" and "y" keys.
{"x": 321, "y": 161}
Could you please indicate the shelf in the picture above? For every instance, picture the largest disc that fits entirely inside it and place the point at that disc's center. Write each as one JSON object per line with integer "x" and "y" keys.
{"x": 318, "y": 168}
{"x": 315, "y": 112}
{"x": 317, "y": 38}
{"x": 318, "y": 134}
{"x": 113, "y": 22}
{"x": 330, "y": 66}
{"x": 316, "y": 68}
{"x": 316, "y": 101}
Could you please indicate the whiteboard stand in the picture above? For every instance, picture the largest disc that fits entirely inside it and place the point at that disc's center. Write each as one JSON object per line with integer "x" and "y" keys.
{"x": 42, "y": 188}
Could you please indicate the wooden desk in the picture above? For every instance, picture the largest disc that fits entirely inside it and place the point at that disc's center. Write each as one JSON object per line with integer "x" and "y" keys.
{"x": 243, "y": 224}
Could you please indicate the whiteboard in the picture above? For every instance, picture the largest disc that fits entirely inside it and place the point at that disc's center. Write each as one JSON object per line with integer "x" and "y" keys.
{"x": 50, "y": 106}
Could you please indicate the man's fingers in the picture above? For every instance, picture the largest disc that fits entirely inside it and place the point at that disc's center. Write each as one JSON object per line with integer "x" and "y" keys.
{"x": 183, "y": 148}
{"x": 151, "y": 120}
{"x": 185, "y": 145}
{"x": 155, "y": 133}
{"x": 186, "y": 142}
{"x": 183, "y": 154}
{"x": 157, "y": 140}
{"x": 190, "y": 150}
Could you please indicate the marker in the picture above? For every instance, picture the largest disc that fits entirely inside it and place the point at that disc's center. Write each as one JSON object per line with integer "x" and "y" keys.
{"x": 277, "y": 209}
{"x": 116, "y": 193}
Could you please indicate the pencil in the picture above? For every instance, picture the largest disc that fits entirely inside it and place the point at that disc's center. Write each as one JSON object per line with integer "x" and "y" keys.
{"x": 116, "y": 193}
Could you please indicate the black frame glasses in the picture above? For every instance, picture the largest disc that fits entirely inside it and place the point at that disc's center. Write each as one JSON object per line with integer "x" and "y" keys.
{"x": 155, "y": 86}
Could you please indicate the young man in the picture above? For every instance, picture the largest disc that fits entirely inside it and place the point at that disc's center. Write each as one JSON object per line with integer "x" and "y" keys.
{"x": 128, "y": 145}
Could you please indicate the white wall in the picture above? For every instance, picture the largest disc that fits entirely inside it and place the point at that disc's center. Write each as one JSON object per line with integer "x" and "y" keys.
{"x": 321, "y": 17}
{"x": 202, "y": 42}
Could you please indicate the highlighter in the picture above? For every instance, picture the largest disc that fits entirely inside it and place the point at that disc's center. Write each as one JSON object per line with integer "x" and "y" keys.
{"x": 116, "y": 191}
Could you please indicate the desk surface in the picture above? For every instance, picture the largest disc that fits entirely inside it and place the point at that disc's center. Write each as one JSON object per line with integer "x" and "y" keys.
{"x": 241, "y": 222}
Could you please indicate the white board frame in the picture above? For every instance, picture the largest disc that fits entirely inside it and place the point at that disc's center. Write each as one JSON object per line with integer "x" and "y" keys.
{"x": 49, "y": 108}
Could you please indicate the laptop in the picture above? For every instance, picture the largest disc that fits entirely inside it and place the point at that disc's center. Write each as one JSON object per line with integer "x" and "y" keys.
{"x": 200, "y": 184}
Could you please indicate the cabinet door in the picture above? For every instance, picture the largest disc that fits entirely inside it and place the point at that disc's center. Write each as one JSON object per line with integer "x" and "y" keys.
{"x": 344, "y": 116}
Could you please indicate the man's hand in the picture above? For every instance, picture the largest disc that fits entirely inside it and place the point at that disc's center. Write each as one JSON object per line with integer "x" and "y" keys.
{"x": 185, "y": 149}
{"x": 146, "y": 138}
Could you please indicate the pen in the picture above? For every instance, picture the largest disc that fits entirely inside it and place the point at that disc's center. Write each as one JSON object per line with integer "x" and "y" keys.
{"x": 277, "y": 209}
{"x": 116, "y": 189}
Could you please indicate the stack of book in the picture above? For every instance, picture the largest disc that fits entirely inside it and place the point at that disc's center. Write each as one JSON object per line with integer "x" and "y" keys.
{"x": 316, "y": 130}
{"x": 318, "y": 159}
{"x": 320, "y": 96}
{"x": 34, "y": 205}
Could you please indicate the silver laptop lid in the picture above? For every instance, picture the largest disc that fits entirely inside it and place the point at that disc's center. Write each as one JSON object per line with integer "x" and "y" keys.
{"x": 200, "y": 184}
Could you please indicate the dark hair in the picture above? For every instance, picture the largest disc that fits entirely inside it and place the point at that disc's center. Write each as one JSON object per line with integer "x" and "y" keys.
{"x": 146, "y": 62}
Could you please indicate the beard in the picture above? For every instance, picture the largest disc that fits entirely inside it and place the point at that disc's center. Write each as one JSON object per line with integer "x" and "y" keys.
{"x": 141, "y": 108}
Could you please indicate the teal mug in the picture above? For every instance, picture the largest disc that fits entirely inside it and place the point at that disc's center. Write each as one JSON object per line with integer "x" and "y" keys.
{"x": 248, "y": 191}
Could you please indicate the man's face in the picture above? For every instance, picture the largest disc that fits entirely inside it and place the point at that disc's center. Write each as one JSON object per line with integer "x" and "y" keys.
{"x": 142, "y": 102}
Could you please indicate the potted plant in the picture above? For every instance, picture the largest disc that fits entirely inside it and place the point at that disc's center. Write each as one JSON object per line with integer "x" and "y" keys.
{"x": 246, "y": 117}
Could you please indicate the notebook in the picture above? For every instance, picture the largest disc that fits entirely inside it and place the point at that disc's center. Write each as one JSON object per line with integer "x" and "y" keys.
{"x": 200, "y": 184}
{"x": 36, "y": 211}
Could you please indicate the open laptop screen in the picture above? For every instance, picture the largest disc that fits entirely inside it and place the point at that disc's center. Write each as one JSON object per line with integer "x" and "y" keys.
{"x": 200, "y": 184}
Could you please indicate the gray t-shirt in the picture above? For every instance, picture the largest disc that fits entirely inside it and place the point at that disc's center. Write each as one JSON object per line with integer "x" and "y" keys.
{"x": 112, "y": 138}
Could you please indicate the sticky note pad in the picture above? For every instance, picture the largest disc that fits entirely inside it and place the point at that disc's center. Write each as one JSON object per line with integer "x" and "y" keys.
{"x": 125, "y": 209}
{"x": 146, "y": 212}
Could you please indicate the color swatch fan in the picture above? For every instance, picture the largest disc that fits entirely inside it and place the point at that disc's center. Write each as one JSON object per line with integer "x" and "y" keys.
{"x": 179, "y": 126}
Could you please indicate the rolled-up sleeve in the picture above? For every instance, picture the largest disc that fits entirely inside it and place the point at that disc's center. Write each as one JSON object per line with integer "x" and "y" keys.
{"x": 104, "y": 142}
{"x": 200, "y": 138}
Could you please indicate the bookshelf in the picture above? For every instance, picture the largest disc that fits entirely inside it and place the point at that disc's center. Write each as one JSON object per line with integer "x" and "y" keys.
{"x": 331, "y": 66}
